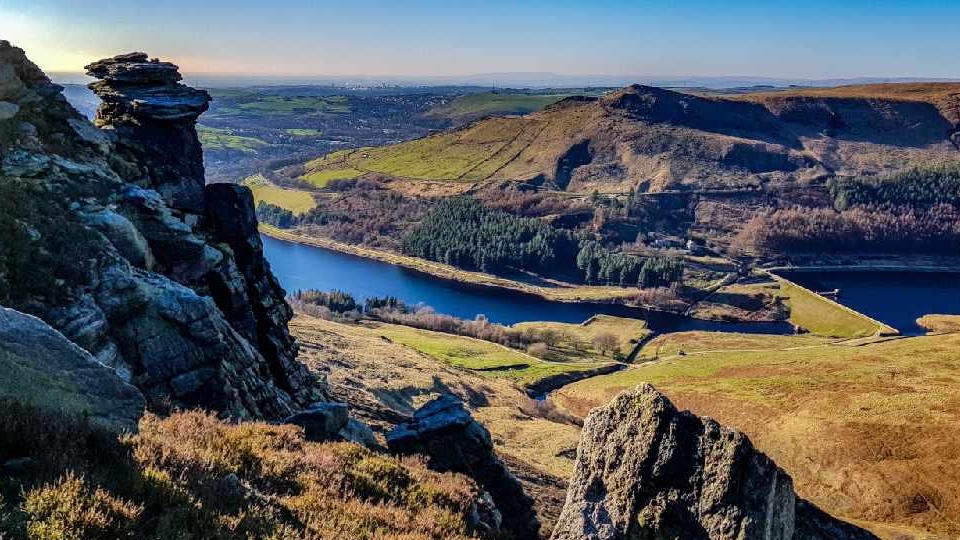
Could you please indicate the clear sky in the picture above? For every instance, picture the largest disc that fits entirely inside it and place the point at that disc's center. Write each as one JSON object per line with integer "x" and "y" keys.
{"x": 803, "y": 39}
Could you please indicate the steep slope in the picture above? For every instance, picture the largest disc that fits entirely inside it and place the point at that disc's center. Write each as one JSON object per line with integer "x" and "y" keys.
{"x": 111, "y": 236}
{"x": 653, "y": 139}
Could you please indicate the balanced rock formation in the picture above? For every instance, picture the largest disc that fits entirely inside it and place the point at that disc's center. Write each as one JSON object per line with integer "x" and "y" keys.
{"x": 452, "y": 440}
{"x": 646, "y": 471}
{"x": 44, "y": 369}
{"x": 154, "y": 116}
{"x": 120, "y": 246}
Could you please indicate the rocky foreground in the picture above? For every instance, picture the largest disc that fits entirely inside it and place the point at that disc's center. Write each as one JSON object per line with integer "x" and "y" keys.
{"x": 645, "y": 470}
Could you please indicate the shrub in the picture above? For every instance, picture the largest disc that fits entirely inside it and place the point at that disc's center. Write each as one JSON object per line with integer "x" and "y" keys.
{"x": 539, "y": 350}
{"x": 69, "y": 509}
{"x": 193, "y": 477}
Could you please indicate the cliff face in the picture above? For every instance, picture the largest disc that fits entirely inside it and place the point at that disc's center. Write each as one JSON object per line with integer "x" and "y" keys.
{"x": 646, "y": 471}
{"x": 152, "y": 272}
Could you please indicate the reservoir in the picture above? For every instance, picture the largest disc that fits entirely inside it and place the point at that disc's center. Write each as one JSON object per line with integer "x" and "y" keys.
{"x": 300, "y": 267}
{"x": 895, "y": 298}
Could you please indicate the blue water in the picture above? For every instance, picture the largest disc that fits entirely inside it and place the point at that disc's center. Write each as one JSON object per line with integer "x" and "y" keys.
{"x": 895, "y": 298}
{"x": 299, "y": 266}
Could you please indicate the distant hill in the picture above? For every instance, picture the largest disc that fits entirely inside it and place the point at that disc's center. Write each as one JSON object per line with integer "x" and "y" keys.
{"x": 652, "y": 139}
{"x": 655, "y": 139}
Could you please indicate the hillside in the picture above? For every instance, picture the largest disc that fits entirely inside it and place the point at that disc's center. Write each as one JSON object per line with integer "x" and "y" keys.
{"x": 653, "y": 139}
{"x": 868, "y": 432}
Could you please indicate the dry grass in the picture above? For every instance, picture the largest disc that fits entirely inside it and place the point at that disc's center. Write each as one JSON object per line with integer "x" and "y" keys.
{"x": 742, "y": 302}
{"x": 926, "y": 92}
{"x": 192, "y": 476}
{"x": 869, "y": 433}
{"x": 940, "y": 324}
{"x": 384, "y": 381}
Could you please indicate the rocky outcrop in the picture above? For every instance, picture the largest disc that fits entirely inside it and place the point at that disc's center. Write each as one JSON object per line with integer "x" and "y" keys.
{"x": 43, "y": 368}
{"x": 452, "y": 440}
{"x": 155, "y": 274}
{"x": 153, "y": 116}
{"x": 646, "y": 471}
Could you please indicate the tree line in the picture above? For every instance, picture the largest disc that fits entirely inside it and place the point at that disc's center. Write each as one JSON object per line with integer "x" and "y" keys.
{"x": 920, "y": 187}
{"x": 892, "y": 229}
{"x": 464, "y": 233}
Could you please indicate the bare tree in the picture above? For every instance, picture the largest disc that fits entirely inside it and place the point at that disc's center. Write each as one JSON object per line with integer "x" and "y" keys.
{"x": 606, "y": 342}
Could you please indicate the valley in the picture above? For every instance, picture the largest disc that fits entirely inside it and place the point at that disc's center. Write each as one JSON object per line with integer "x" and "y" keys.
{"x": 382, "y": 312}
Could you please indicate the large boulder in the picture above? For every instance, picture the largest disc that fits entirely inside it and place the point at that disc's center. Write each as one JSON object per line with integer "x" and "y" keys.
{"x": 444, "y": 432}
{"x": 646, "y": 471}
{"x": 43, "y": 368}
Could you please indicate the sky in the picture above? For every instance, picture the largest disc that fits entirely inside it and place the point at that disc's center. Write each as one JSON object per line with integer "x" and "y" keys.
{"x": 813, "y": 39}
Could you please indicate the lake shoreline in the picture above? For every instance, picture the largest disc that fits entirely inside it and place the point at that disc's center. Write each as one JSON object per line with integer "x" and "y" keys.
{"x": 576, "y": 294}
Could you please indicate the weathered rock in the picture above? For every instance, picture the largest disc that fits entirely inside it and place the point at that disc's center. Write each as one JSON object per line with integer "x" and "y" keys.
{"x": 165, "y": 301}
{"x": 645, "y": 470}
{"x": 357, "y": 432}
{"x": 452, "y": 440}
{"x": 153, "y": 117}
{"x": 43, "y": 368}
{"x": 181, "y": 351}
{"x": 321, "y": 421}
{"x": 253, "y": 300}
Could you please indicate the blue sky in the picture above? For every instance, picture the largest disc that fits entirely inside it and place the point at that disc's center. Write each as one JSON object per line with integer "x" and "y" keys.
{"x": 812, "y": 39}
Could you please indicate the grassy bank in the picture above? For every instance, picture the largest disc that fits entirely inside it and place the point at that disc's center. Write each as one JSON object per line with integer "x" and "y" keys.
{"x": 868, "y": 433}
{"x": 823, "y": 316}
{"x": 560, "y": 293}
{"x": 485, "y": 358}
{"x": 580, "y": 341}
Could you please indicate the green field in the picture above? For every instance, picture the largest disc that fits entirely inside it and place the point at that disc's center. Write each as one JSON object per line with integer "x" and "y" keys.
{"x": 487, "y": 359}
{"x": 576, "y": 340}
{"x": 223, "y": 139}
{"x": 494, "y": 103}
{"x": 466, "y": 155}
{"x": 300, "y": 132}
{"x": 298, "y": 202}
{"x": 822, "y": 316}
{"x": 246, "y": 103}
{"x": 323, "y": 177}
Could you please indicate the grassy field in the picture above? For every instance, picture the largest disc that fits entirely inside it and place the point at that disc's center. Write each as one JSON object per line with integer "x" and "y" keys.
{"x": 463, "y": 155}
{"x": 494, "y": 103}
{"x": 298, "y": 202}
{"x": 323, "y": 177}
{"x": 303, "y": 132}
{"x": 576, "y": 340}
{"x": 560, "y": 293}
{"x": 223, "y": 139}
{"x": 869, "y": 433}
{"x": 825, "y": 317}
{"x": 667, "y": 345}
{"x": 488, "y": 359}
